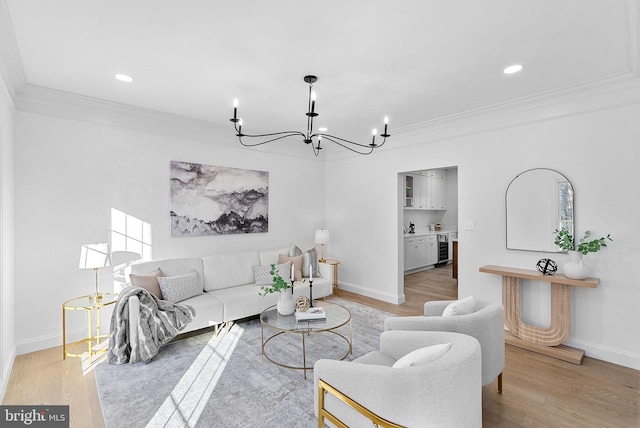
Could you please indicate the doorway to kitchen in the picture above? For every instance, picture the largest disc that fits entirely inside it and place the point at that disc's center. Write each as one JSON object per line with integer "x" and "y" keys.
{"x": 428, "y": 213}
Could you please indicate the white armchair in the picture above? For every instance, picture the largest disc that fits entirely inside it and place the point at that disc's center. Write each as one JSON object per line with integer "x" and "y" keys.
{"x": 485, "y": 324}
{"x": 446, "y": 392}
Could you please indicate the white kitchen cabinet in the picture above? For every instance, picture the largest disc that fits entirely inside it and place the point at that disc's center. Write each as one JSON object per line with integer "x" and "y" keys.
{"x": 431, "y": 244}
{"x": 420, "y": 251}
{"x": 408, "y": 190}
{"x": 436, "y": 189}
{"x": 420, "y": 191}
{"x": 415, "y": 252}
{"x": 415, "y": 188}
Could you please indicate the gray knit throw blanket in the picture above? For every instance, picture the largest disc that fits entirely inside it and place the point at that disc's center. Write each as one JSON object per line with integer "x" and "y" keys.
{"x": 159, "y": 322}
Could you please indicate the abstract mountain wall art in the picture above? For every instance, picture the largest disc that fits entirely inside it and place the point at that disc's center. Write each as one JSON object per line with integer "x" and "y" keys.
{"x": 216, "y": 200}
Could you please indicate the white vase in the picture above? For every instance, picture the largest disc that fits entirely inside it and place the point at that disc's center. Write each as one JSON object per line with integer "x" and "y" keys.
{"x": 286, "y": 305}
{"x": 575, "y": 268}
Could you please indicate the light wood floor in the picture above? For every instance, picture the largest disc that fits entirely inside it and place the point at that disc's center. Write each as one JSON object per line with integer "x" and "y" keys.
{"x": 538, "y": 391}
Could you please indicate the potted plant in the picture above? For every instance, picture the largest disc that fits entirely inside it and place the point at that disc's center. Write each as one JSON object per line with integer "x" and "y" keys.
{"x": 286, "y": 305}
{"x": 575, "y": 268}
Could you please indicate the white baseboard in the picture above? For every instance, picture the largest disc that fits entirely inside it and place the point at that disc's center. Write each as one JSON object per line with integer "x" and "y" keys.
{"x": 606, "y": 353}
{"x": 50, "y": 341}
{"x": 6, "y": 373}
{"x": 385, "y": 297}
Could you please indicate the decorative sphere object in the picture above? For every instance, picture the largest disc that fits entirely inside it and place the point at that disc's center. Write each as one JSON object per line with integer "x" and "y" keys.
{"x": 547, "y": 266}
{"x": 302, "y": 304}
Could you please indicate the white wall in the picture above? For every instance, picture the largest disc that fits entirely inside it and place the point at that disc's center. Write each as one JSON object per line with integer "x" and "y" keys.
{"x": 70, "y": 174}
{"x": 7, "y": 271}
{"x": 592, "y": 140}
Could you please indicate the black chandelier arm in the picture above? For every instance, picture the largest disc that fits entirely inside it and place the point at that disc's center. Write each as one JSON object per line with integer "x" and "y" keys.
{"x": 333, "y": 138}
{"x": 346, "y": 146}
{"x": 281, "y": 135}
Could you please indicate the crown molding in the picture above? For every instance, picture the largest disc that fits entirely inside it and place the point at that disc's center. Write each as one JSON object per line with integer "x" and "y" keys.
{"x": 614, "y": 91}
{"x": 51, "y": 102}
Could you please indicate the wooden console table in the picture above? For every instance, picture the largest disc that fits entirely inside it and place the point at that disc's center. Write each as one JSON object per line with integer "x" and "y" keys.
{"x": 547, "y": 341}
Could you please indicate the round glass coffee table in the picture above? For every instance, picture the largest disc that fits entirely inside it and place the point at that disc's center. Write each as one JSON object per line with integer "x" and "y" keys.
{"x": 336, "y": 317}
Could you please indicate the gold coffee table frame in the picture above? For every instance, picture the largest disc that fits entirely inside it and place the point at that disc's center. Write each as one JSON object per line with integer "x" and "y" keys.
{"x": 89, "y": 304}
{"x": 337, "y": 316}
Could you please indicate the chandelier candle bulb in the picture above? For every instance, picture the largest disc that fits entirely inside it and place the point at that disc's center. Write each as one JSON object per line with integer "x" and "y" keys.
{"x": 313, "y": 101}
{"x": 386, "y": 121}
{"x": 235, "y": 108}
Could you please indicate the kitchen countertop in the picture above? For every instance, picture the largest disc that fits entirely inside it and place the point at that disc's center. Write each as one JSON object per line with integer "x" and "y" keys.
{"x": 428, "y": 232}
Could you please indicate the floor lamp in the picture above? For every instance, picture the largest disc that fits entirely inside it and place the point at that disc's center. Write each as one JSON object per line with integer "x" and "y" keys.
{"x": 95, "y": 256}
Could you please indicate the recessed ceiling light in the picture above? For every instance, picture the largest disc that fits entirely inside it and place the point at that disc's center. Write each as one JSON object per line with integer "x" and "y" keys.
{"x": 123, "y": 77}
{"x": 513, "y": 69}
{"x": 323, "y": 129}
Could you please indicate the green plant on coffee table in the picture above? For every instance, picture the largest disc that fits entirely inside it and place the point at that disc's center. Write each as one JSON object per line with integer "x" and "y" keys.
{"x": 565, "y": 241}
{"x": 278, "y": 285}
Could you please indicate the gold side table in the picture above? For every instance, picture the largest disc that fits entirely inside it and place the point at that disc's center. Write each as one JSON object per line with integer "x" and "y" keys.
{"x": 86, "y": 303}
{"x": 334, "y": 263}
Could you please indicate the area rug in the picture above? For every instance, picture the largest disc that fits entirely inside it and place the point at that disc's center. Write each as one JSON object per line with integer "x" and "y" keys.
{"x": 225, "y": 381}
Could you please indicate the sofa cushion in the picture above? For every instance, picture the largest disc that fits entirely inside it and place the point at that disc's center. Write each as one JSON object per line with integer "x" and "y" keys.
{"x": 209, "y": 311}
{"x": 170, "y": 267}
{"x": 460, "y": 307}
{"x": 262, "y": 273}
{"x": 310, "y": 259}
{"x": 229, "y": 270}
{"x": 421, "y": 356}
{"x": 297, "y": 265}
{"x": 180, "y": 287}
{"x": 149, "y": 282}
{"x": 271, "y": 256}
{"x": 243, "y": 301}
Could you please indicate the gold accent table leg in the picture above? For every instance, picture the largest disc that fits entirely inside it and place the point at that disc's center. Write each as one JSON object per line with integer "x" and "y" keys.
{"x": 89, "y": 330}
{"x": 97, "y": 325}
{"x": 64, "y": 333}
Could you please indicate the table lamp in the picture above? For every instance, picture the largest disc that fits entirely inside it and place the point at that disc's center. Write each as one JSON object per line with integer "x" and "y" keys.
{"x": 322, "y": 237}
{"x": 95, "y": 256}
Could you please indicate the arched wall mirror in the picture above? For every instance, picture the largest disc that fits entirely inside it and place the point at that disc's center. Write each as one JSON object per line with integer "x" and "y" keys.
{"x": 538, "y": 202}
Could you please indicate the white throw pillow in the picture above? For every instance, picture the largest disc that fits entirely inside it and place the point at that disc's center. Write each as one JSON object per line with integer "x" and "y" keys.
{"x": 422, "y": 356}
{"x": 180, "y": 287}
{"x": 262, "y": 274}
{"x": 460, "y": 307}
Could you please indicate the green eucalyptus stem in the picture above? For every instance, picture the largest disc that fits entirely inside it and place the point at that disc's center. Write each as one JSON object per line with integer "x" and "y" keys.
{"x": 278, "y": 285}
{"x": 565, "y": 241}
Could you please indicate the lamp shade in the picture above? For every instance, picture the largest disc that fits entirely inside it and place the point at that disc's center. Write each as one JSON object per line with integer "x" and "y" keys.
{"x": 94, "y": 256}
{"x": 322, "y": 236}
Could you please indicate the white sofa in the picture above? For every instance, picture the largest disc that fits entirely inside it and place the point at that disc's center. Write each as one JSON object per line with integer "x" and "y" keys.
{"x": 228, "y": 289}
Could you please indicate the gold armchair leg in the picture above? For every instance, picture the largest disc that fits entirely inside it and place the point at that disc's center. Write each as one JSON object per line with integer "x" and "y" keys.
{"x": 323, "y": 413}
{"x": 500, "y": 383}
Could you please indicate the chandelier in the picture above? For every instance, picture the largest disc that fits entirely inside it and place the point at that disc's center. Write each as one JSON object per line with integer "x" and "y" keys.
{"x": 314, "y": 139}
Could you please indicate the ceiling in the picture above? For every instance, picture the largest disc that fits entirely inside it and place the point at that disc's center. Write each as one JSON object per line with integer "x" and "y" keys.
{"x": 413, "y": 60}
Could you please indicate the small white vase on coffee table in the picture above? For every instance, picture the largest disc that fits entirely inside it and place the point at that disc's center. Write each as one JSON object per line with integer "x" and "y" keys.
{"x": 286, "y": 305}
